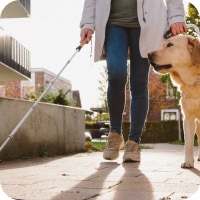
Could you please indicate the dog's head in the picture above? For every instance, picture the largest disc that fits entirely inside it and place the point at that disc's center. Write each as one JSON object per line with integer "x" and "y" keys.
{"x": 177, "y": 52}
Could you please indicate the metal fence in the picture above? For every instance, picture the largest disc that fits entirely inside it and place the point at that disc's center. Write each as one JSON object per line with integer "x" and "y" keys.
{"x": 14, "y": 55}
{"x": 26, "y": 4}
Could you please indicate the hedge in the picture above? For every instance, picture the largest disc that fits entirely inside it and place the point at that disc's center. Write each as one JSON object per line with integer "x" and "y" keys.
{"x": 153, "y": 132}
{"x": 156, "y": 132}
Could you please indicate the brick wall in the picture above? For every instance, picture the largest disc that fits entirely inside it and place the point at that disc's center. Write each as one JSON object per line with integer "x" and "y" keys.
{"x": 10, "y": 89}
{"x": 17, "y": 89}
{"x": 157, "y": 99}
{"x": 39, "y": 79}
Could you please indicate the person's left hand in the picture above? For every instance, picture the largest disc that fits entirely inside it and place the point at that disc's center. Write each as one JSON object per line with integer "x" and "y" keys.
{"x": 178, "y": 28}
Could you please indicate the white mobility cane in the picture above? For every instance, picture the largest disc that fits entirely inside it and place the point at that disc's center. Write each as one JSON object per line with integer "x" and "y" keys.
{"x": 40, "y": 97}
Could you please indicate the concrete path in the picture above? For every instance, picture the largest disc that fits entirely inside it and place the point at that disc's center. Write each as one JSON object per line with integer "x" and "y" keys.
{"x": 87, "y": 176}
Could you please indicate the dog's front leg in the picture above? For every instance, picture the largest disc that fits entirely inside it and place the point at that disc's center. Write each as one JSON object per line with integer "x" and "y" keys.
{"x": 198, "y": 137}
{"x": 189, "y": 132}
{"x": 198, "y": 147}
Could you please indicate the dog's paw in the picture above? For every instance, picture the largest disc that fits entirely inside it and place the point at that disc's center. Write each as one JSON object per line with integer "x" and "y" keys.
{"x": 187, "y": 164}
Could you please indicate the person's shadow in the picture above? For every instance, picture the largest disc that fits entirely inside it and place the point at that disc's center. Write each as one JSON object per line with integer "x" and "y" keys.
{"x": 92, "y": 186}
{"x": 113, "y": 181}
{"x": 134, "y": 184}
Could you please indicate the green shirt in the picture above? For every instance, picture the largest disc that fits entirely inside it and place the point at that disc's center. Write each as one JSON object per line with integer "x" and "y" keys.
{"x": 124, "y": 13}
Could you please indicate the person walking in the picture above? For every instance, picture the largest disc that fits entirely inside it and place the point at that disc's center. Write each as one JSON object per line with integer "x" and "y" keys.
{"x": 128, "y": 29}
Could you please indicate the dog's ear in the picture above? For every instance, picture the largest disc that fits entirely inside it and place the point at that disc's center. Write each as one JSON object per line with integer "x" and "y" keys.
{"x": 194, "y": 49}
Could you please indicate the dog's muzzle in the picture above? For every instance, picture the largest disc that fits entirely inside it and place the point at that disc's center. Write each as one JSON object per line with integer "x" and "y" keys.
{"x": 155, "y": 66}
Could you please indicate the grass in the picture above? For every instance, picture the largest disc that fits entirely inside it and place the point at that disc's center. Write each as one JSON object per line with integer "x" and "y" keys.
{"x": 100, "y": 146}
{"x": 179, "y": 142}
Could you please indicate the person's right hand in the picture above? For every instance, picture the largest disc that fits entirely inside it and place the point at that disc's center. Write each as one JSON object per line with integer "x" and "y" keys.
{"x": 86, "y": 34}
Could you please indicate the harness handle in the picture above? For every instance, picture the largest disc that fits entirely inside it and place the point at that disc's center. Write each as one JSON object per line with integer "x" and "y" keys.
{"x": 169, "y": 34}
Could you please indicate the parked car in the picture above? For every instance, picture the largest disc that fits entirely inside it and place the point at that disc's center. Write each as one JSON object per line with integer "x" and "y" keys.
{"x": 104, "y": 130}
{"x": 88, "y": 136}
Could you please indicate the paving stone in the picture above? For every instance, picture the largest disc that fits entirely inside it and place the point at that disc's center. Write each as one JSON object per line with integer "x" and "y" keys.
{"x": 87, "y": 176}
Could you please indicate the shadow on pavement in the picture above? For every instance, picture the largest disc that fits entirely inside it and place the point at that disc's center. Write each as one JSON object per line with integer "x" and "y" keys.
{"x": 135, "y": 185}
{"x": 113, "y": 181}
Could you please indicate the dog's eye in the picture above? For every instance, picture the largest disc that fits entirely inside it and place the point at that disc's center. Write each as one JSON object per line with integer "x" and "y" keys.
{"x": 170, "y": 45}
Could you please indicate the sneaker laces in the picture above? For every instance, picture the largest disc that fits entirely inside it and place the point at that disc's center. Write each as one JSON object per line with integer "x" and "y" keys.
{"x": 113, "y": 143}
{"x": 132, "y": 147}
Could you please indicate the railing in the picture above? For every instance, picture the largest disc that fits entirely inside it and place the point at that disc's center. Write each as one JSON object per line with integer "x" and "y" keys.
{"x": 26, "y": 4}
{"x": 14, "y": 55}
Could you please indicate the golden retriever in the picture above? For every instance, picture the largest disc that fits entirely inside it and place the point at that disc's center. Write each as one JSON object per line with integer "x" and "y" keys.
{"x": 180, "y": 57}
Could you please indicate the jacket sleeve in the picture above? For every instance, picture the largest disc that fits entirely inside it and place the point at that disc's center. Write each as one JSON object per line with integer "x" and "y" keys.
{"x": 88, "y": 15}
{"x": 175, "y": 11}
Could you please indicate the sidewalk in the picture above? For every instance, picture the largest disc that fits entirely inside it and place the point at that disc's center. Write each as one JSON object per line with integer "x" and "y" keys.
{"x": 87, "y": 176}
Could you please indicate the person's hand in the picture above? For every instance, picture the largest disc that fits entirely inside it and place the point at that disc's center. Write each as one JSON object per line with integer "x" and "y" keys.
{"x": 178, "y": 28}
{"x": 86, "y": 34}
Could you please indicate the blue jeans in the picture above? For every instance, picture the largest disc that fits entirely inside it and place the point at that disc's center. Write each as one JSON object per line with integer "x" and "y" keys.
{"x": 116, "y": 45}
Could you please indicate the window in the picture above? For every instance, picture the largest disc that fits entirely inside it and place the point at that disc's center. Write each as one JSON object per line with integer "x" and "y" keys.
{"x": 170, "y": 114}
{"x": 171, "y": 92}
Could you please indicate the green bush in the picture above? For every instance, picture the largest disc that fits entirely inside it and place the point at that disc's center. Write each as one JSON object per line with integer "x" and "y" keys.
{"x": 156, "y": 132}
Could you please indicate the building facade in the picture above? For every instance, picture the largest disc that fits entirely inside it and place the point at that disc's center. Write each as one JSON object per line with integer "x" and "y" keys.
{"x": 40, "y": 78}
{"x": 163, "y": 104}
{"x": 14, "y": 57}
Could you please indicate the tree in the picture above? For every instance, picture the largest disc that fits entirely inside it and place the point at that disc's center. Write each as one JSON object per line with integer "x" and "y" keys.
{"x": 103, "y": 87}
{"x": 49, "y": 97}
{"x": 61, "y": 98}
{"x": 192, "y": 17}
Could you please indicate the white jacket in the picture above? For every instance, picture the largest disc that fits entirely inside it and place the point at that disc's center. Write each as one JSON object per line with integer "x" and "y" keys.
{"x": 155, "y": 17}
